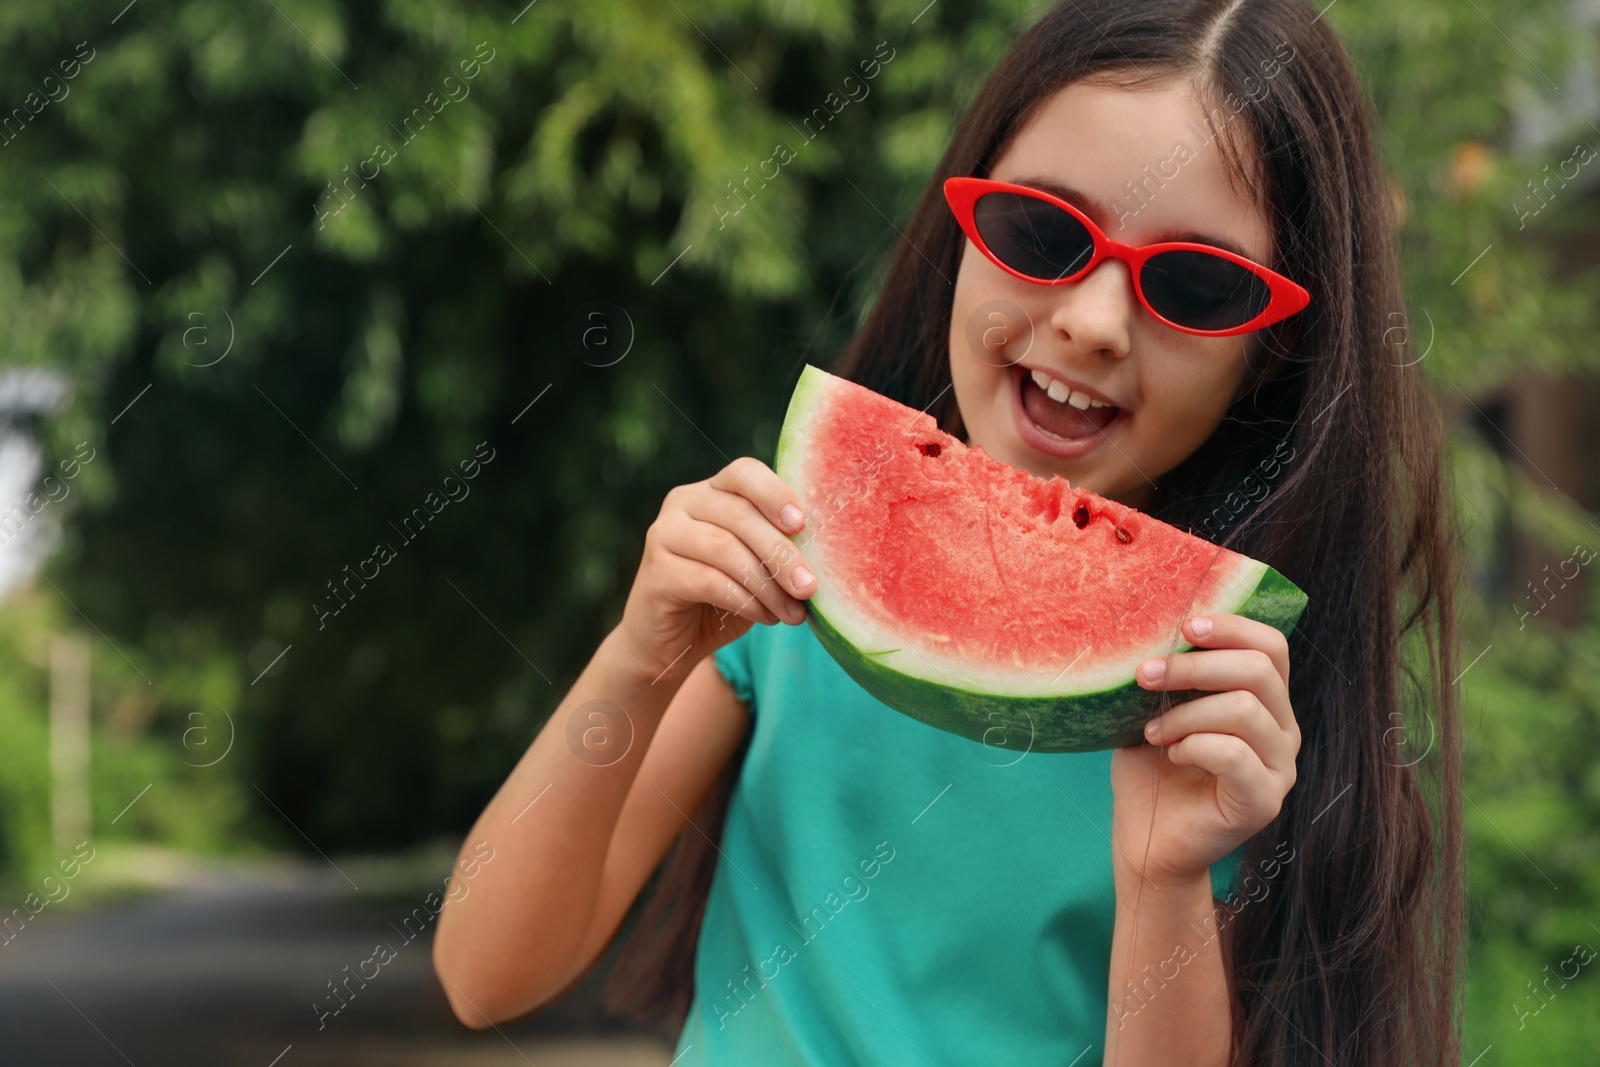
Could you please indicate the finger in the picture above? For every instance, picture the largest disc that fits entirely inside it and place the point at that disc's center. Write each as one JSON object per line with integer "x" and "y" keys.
{"x": 1237, "y": 712}
{"x": 1252, "y": 790}
{"x": 1235, "y": 631}
{"x": 758, "y": 483}
{"x": 1220, "y": 669}
{"x": 718, "y": 547}
{"x": 776, "y": 557}
{"x": 705, "y": 584}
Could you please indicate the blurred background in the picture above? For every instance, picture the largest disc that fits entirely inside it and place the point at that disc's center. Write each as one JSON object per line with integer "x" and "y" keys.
{"x": 271, "y": 270}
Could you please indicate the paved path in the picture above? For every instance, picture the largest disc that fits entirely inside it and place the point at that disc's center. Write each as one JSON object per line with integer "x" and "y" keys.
{"x": 225, "y": 968}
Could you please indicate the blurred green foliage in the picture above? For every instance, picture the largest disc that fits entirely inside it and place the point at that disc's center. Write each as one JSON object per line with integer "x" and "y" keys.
{"x": 241, "y": 178}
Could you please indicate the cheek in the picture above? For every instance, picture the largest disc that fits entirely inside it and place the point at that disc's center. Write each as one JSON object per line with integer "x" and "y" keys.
{"x": 1189, "y": 388}
{"x": 969, "y": 360}
{"x": 969, "y": 293}
{"x": 981, "y": 349}
{"x": 993, "y": 317}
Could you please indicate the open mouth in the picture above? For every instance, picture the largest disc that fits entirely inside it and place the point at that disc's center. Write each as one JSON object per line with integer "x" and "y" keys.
{"x": 1059, "y": 418}
{"x": 1060, "y": 426}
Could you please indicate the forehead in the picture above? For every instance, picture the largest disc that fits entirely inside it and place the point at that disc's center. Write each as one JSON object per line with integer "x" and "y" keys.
{"x": 1147, "y": 163}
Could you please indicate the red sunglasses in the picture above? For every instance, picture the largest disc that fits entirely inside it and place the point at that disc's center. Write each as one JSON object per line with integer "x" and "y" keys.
{"x": 1195, "y": 288}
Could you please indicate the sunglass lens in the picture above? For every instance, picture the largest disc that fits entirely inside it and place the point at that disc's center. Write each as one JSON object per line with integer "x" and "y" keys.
{"x": 1202, "y": 291}
{"x": 1031, "y": 236}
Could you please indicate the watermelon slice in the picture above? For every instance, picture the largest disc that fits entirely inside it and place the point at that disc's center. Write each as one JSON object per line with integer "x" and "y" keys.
{"x": 982, "y": 600}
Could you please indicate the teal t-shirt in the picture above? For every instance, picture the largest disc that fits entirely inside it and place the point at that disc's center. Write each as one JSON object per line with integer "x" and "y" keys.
{"x": 889, "y": 893}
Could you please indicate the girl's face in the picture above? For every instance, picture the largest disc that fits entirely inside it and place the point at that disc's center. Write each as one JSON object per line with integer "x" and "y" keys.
{"x": 1112, "y": 153}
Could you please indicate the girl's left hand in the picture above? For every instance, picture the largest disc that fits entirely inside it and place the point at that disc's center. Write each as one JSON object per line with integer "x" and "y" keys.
{"x": 1216, "y": 768}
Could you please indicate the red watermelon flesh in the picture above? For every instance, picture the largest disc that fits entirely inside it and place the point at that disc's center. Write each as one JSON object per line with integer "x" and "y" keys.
{"x": 981, "y": 599}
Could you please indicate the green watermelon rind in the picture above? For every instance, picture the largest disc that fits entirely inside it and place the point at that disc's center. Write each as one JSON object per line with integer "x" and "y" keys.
{"x": 1085, "y": 722}
{"x": 1082, "y": 722}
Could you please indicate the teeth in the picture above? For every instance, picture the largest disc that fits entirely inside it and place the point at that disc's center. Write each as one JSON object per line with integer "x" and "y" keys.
{"x": 1060, "y": 393}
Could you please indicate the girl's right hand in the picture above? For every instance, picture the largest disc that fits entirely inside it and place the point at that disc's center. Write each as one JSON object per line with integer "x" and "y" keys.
{"x": 716, "y": 560}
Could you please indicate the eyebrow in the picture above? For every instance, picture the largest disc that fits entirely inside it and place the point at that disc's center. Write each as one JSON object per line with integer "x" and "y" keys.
{"x": 1097, "y": 211}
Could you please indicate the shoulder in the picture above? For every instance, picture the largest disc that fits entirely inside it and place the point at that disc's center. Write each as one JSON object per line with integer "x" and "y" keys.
{"x": 764, "y": 656}
{"x": 738, "y": 661}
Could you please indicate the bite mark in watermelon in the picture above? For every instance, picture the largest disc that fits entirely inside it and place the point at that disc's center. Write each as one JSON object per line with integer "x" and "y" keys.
{"x": 983, "y": 600}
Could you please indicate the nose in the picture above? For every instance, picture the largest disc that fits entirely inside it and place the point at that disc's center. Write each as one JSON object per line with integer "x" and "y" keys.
{"x": 1095, "y": 313}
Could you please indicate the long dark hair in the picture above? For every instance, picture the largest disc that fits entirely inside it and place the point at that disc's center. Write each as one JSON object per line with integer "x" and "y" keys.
{"x": 1330, "y": 467}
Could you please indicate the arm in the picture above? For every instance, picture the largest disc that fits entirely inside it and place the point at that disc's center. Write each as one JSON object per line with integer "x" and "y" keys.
{"x": 534, "y": 920}
{"x": 1169, "y": 988}
{"x": 1215, "y": 772}
{"x": 577, "y": 827}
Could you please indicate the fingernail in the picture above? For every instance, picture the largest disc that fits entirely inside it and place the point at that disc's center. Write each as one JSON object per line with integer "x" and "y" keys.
{"x": 1154, "y": 669}
{"x": 791, "y": 516}
{"x": 1152, "y": 729}
{"x": 1200, "y": 625}
{"x": 802, "y": 577}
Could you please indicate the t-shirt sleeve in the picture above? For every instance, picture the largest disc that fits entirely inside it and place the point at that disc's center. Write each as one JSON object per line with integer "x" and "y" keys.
{"x": 1225, "y": 874}
{"x": 733, "y": 661}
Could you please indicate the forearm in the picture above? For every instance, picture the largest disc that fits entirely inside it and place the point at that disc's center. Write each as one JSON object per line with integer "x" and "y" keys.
{"x": 1168, "y": 989}
{"x": 524, "y": 916}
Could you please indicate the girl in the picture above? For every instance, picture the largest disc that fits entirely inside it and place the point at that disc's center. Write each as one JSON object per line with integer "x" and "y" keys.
{"x": 1267, "y": 881}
